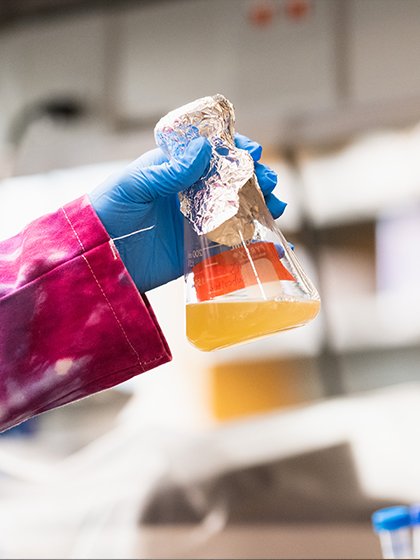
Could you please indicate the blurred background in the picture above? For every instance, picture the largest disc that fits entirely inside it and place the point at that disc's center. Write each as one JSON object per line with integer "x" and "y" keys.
{"x": 280, "y": 448}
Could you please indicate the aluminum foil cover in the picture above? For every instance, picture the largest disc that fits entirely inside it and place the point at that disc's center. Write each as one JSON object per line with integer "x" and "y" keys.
{"x": 218, "y": 205}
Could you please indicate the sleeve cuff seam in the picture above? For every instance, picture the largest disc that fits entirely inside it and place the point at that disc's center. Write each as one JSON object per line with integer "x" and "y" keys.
{"x": 110, "y": 306}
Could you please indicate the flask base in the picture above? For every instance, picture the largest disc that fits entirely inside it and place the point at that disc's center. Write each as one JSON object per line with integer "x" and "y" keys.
{"x": 214, "y": 325}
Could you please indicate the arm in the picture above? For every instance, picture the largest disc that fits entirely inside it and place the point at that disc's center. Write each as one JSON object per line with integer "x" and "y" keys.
{"x": 72, "y": 322}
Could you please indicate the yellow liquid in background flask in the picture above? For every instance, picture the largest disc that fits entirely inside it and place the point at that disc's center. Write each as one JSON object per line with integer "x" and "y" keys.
{"x": 213, "y": 325}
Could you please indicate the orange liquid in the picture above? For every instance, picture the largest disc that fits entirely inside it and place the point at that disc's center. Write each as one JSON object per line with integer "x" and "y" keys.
{"x": 214, "y": 325}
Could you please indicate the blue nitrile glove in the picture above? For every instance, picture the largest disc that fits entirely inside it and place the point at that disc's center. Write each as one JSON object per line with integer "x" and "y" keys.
{"x": 143, "y": 198}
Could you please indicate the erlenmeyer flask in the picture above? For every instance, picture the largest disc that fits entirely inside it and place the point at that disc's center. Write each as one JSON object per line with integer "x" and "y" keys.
{"x": 242, "y": 280}
{"x": 235, "y": 294}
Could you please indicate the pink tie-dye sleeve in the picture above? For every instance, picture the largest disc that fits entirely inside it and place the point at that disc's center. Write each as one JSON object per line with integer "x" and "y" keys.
{"x": 71, "y": 319}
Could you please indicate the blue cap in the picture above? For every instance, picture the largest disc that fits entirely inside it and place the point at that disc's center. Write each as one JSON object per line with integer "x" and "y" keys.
{"x": 391, "y": 518}
{"x": 415, "y": 514}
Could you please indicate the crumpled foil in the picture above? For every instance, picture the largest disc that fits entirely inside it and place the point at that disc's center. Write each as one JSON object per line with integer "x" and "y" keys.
{"x": 223, "y": 204}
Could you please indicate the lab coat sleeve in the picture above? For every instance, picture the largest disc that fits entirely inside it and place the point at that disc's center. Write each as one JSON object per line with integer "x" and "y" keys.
{"x": 72, "y": 322}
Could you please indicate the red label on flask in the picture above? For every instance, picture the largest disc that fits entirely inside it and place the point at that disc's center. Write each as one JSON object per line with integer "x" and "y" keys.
{"x": 238, "y": 268}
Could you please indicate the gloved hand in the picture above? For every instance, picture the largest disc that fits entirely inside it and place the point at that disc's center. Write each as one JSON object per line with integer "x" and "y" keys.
{"x": 143, "y": 199}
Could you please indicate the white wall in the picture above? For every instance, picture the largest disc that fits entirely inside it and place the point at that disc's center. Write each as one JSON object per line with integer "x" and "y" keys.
{"x": 62, "y": 56}
{"x": 137, "y": 63}
{"x": 182, "y": 50}
{"x": 385, "y": 49}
